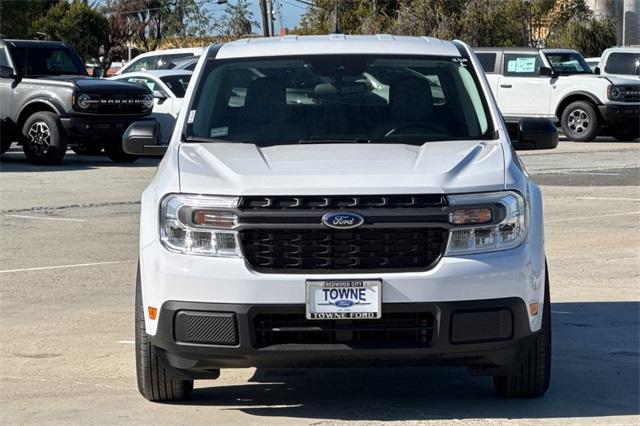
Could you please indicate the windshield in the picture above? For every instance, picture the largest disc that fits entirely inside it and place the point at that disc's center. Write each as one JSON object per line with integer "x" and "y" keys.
{"x": 623, "y": 63}
{"x": 39, "y": 61}
{"x": 338, "y": 98}
{"x": 568, "y": 63}
{"x": 177, "y": 84}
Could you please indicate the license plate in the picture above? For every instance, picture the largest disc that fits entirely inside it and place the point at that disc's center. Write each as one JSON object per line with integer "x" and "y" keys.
{"x": 344, "y": 299}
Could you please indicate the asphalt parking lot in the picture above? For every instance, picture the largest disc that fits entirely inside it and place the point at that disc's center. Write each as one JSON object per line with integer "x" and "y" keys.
{"x": 68, "y": 248}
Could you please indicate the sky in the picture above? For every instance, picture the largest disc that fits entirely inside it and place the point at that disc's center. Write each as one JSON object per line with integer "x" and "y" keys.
{"x": 292, "y": 10}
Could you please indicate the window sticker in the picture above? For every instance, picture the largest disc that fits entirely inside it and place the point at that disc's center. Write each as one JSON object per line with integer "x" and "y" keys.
{"x": 525, "y": 64}
{"x": 192, "y": 116}
{"x": 219, "y": 131}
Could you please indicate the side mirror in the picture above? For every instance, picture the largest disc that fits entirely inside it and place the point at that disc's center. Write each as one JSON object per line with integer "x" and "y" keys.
{"x": 596, "y": 71}
{"x": 536, "y": 133}
{"x": 143, "y": 138}
{"x": 159, "y": 95}
{"x": 7, "y": 72}
{"x": 546, "y": 71}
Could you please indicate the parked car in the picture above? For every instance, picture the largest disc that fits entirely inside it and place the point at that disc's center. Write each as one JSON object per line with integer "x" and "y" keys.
{"x": 302, "y": 217}
{"x": 187, "y": 64}
{"x": 593, "y": 63}
{"x": 47, "y": 101}
{"x": 168, "y": 87}
{"x": 559, "y": 85}
{"x": 159, "y": 59}
{"x": 620, "y": 61}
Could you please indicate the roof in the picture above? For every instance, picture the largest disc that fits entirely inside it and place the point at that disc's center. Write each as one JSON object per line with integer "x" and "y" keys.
{"x": 154, "y": 73}
{"x": 631, "y": 49}
{"x": 523, "y": 50}
{"x": 336, "y": 44}
{"x": 194, "y": 50}
{"x": 33, "y": 43}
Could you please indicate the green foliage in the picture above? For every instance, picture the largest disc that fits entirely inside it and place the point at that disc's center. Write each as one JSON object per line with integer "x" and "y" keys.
{"x": 478, "y": 22}
{"x": 588, "y": 36}
{"x": 76, "y": 23}
{"x": 17, "y": 16}
{"x": 236, "y": 21}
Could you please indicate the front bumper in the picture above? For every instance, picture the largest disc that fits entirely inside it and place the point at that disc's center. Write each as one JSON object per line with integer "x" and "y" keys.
{"x": 616, "y": 113}
{"x": 490, "y": 336}
{"x": 104, "y": 128}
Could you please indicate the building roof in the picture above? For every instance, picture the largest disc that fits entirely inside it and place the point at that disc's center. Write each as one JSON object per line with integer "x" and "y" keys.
{"x": 336, "y": 44}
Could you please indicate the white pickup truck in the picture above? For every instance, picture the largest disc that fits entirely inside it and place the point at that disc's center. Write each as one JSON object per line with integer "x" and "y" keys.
{"x": 559, "y": 85}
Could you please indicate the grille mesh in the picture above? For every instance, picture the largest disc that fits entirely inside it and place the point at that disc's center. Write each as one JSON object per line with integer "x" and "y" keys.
{"x": 206, "y": 327}
{"x": 290, "y": 250}
{"x": 341, "y": 201}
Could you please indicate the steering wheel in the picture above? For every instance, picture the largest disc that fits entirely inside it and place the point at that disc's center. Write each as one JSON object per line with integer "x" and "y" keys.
{"x": 410, "y": 126}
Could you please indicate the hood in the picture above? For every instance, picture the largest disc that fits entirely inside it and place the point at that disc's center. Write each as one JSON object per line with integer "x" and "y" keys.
{"x": 620, "y": 80}
{"x": 337, "y": 169}
{"x": 99, "y": 85}
{"x": 613, "y": 79}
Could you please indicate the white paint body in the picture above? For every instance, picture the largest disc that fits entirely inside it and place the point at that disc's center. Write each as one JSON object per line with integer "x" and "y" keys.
{"x": 606, "y": 55}
{"x": 243, "y": 169}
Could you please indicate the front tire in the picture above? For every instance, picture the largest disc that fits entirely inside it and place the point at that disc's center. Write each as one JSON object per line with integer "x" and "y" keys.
{"x": 43, "y": 141}
{"x": 155, "y": 382}
{"x": 531, "y": 379}
{"x": 580, "y": 121}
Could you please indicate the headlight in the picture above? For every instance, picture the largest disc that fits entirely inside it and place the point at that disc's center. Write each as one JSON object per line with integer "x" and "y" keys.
{"x": 486, "y": 222}
{"x": 613, "y": 92}
{"x": 202, "y": 225}
{"x": 83, "y": 101}
{"x": 147, "y": 101}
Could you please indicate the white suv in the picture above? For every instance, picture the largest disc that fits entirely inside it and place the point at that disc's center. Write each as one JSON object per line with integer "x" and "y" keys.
{"x": 558, "y": 84}
{"x": 305, "y": 216}
{"x": 620, "y": 61}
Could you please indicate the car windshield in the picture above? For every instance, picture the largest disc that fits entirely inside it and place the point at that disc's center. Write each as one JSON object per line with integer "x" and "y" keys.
{"x": 42, "y": 61}
{"x": 568, "y": 63}
{"x": 623, "y": 63}
{"x": 338, "y": 98}
{"x": 177, "y": 83}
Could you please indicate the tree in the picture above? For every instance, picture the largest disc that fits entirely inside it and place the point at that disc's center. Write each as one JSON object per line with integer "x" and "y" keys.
{"x": 588, "y": 36}
{"x": 17, "y": 16}
{"x": 76, "y": 23}
{"x": 236, "y": 21}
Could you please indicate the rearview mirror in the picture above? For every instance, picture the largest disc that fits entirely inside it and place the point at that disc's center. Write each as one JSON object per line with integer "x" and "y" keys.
{"x": 159, "y": 95}
{"x": 546, "y": 71}
{"x": 536, "y": 133}
{"x": 142, "y": 138}
{"x": 7, "y": 72}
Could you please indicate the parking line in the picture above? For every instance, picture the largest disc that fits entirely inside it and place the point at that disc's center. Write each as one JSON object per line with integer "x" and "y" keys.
{"x": 126, "y": 342}
{"x": 77, "y": 265}
{"x": 608, "y": 198}
{"x": 21, "y": 216}
{"x": 589, "y": 173}
{"x": 590, "y": 217}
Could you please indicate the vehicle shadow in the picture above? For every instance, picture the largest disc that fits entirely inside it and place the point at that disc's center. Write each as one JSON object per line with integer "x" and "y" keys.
{"x": 595, "y": 373}
{"x": 14, "y": 161}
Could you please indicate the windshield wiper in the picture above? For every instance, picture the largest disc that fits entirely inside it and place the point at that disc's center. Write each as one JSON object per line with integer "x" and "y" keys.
{"x": 202, "y": 140}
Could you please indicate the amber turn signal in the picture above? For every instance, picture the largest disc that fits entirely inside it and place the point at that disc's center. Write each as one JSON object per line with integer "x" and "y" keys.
{"x": 153, "y": 312}
{"x": 533, "y": 308}
{"x": 471, "y": 216}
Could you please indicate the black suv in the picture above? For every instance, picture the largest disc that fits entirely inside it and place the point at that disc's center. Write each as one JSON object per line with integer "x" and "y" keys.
{"x": 48, "y": 101}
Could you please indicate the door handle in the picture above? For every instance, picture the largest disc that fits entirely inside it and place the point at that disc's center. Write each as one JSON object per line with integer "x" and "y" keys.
{"x": 506, "y": 86}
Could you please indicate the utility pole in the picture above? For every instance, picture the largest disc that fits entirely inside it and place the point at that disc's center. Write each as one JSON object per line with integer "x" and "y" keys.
{"x": 336, "y": 28}
{"x": 265, "y": 19}
{"x": 272, "y": 19}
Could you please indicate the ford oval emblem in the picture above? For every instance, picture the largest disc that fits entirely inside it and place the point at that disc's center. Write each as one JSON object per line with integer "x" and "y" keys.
{"x": 344, "y": 303}
{"x": 342, "y": 220}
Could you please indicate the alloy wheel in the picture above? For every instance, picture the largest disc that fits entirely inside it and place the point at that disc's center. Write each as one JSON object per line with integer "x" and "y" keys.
{"x": 578, "y": 121}
{"x": 40, "y": 137}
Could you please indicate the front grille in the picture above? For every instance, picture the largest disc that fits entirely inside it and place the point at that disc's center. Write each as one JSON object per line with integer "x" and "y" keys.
{"x": 253, "y": 203}
{"x": 397, "y": 329}
{"x": 630, "y": 93}
{"x": 339, "y": 251}
{"x": 118, "y": 104}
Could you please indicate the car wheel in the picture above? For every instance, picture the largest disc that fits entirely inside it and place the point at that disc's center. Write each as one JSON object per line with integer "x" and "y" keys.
{"x": 5, "y": 144}
{"x": 531, "y": 379}
{"x": 580, "y": 121}
{"x": 43, "y": 141}
{"x": 117, "y": 154}
{"x": 87, "y": 148}
{"x": 155, "y": 382}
